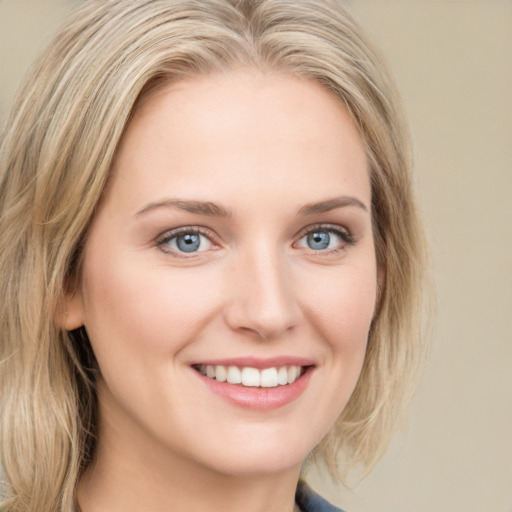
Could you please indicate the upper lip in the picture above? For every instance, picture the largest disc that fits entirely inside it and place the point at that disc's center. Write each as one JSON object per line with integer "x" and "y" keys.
{"x": 257, "y": 362}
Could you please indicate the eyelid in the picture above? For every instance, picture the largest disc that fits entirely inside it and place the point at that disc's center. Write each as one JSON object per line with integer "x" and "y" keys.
{"x": 162, "y": 239}
{"x": 345, "y": 234}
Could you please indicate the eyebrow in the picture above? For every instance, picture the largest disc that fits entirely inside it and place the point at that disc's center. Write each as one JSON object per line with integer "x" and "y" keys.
{"x": 331, "y": 204}
{"x": 199, "y": 207}
{"x": 216, "y": 210}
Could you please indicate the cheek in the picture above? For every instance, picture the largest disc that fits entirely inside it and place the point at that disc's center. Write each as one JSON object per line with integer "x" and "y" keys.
{"x": 133, "y": 310}
{"x": 342, "y": 306}
{"x": 341, "y": 309}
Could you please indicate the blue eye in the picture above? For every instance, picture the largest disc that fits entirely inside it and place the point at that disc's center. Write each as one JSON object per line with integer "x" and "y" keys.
{"x": 319, "y": 240}
{"x": 187, "y": 242}
{"x": 325, "y": 238}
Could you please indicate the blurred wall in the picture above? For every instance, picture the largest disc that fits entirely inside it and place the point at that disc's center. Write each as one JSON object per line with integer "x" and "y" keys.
{"x": 25, "y": 27}
{"x": 453, "y": 61}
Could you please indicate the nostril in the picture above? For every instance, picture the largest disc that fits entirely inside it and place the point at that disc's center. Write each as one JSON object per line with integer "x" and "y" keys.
{"x": 263, "y": 323}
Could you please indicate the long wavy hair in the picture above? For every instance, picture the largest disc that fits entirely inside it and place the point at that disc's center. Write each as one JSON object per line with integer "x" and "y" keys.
{"x": 55, "y": 158}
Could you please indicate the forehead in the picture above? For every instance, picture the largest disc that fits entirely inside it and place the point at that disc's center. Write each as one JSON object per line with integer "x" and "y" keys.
{"x": 242, "y": 130}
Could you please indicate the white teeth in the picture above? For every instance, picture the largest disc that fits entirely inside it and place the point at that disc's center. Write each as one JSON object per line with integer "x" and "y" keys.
{"x": 252, "y": 377}
{"x": 268, "y": 378}
{"x": 282, "y": 376}
{"x": 234, "y": 375}
{"x": 221, "y": 373}
{"x": 293, "y": 373}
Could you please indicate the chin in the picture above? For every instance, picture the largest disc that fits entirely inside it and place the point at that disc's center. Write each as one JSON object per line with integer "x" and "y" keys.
{"x": 264, "y": 452}
{"x": 250, "y": 465}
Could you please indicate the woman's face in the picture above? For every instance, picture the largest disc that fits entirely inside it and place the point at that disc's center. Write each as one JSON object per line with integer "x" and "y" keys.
{"x": 234, "y": 242}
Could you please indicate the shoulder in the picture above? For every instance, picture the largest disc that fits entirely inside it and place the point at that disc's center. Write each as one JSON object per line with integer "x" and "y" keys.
{"x": 309, "y": 501}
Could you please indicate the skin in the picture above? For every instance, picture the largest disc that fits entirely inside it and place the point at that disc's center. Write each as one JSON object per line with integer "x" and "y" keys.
{"x": 264, "y": 147}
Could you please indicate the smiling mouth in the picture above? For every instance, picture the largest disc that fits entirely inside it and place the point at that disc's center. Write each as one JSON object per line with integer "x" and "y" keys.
{"x": 252, "y": 377}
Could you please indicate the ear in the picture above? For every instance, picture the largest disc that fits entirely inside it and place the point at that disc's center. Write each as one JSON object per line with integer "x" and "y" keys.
{"x": 69, "y": 315}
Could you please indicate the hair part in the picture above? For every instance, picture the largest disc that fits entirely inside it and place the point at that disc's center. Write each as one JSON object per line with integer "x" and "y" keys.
{"x": 55, "y": 161}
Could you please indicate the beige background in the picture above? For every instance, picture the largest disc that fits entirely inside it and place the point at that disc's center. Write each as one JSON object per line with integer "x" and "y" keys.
{"x": 453, "y": 61}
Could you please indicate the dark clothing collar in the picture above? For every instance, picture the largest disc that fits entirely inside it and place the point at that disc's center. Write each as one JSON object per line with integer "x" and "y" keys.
{"x": 309, "y": 501}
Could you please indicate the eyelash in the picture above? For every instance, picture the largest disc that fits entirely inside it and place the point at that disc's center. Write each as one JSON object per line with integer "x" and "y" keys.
{"x": 346, "y": 237}
{"x": 163, "y": 240}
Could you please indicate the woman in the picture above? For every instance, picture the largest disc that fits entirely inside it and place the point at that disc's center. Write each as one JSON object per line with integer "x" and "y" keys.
{"x": 211, "y": 259}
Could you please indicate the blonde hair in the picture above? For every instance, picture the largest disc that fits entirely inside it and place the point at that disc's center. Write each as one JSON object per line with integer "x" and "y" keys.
{"x": 55, "y": 160}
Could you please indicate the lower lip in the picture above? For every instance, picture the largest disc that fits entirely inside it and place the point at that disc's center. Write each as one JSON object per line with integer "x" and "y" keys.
{"x": 261, "y": 399}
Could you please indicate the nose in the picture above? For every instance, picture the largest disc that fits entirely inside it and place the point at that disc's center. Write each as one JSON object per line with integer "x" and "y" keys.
{"x": 262, "y": 299}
